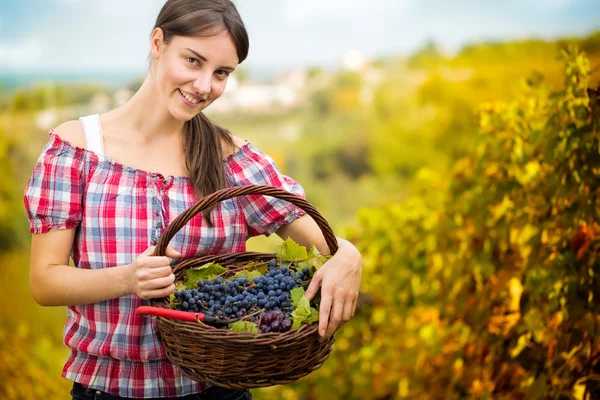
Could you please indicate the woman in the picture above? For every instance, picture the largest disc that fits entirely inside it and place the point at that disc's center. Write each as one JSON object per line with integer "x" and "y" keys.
{"x": 105, "y": 187}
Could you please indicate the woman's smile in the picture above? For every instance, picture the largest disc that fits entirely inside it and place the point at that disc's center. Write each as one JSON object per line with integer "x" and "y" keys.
{"x": 190, "y": 100}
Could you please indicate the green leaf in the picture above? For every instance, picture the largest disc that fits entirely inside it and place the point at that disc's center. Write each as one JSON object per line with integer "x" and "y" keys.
{"x": 313, "y": 316}
{"x": 292, "y": 251}
{"x": 296, "y": 294}
{"x": 539, "y": 388}
{"x": 315, "y": 259}
{"x": 248, "y": 275}
{"x": 244, "y": 326}
{"x": 260, "y": 266}
{"x": 304, "y": 264}
{"x": 301, "y": 312}
{"x": 313, "y": 251}
{"x": 206, "y": 271}
{"x": 318, "y": 261}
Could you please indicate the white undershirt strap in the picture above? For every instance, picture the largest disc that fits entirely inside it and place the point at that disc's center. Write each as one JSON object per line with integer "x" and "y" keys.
{"x": 93, "y": 133}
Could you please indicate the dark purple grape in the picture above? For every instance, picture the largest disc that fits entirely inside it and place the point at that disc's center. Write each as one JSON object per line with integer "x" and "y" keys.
{"x": 286, "y": 325}
{"x": 275, "y": 326}
{"x": 277, "y": 315}
{"x": 267, "y": 318}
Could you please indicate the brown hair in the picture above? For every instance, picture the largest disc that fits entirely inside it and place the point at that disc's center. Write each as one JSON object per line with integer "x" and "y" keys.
{"x": 202, "y": 138}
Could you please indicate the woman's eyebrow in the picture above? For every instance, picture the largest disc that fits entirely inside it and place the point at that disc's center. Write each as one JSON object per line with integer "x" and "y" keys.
{"x": 205, "y": 60}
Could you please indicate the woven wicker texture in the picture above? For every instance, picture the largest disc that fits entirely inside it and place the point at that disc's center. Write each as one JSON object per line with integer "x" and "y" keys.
{"x": 239, "y": 359}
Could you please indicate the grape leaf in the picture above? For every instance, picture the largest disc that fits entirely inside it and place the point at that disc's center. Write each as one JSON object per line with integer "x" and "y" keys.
{"x": 296, "y": 294}
{"x": 317, "y": 261}
{"x": 248, "y": 275}
{"x": 314, "y": 316}
{"x": 313, "y": 251}
{"x": 301, "y": 312}
{"x": 244, "y": 326}
{"x": 254, "y": 274}
{"x": 291, "y": 251}
{"x": 260, "y": 266}
{"x": 305, "y": 264}
{"x": 206, "y": 271}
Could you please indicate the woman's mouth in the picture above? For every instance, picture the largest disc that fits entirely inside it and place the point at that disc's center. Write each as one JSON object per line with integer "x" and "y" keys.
{"x": 189, "y": 100}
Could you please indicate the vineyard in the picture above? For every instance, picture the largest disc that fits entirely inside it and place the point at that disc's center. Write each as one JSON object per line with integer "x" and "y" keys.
{"x": 481, "y": 242}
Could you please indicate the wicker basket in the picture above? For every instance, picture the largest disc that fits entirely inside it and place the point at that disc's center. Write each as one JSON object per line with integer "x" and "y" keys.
{"x": 240, "y": 359}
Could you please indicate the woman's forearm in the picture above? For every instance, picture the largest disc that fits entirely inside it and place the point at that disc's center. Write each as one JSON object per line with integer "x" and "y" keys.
{"x": 63, "y": 285}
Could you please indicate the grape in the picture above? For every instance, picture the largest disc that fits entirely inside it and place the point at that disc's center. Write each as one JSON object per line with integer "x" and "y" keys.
{"x": 275, "y": 326}
{"x": 267, "y": 318}
{"x": 264, "y": 300}
{"x": 286, "y": 325}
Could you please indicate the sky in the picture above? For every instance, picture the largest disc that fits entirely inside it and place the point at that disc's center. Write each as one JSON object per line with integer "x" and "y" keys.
{"x": 113, "y": 35}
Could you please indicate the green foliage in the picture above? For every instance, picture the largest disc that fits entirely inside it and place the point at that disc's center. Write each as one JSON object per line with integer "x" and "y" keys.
{"x": 202, "y": 272}
{"x": 244, "y": 326}
{"x": 479, "y": 239}
{"x": 486, "y": 285}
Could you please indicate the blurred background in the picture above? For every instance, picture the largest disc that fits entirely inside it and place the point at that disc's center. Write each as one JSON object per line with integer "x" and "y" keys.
{"x": 455, "y": 143}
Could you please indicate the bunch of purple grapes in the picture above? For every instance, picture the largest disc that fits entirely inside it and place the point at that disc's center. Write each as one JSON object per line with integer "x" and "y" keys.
{"x": 275, "y": 321}
{"x": 240, "y": 297}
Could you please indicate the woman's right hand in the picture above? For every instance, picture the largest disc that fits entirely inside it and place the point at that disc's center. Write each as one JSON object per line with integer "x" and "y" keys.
{"x": 152, "y": 276}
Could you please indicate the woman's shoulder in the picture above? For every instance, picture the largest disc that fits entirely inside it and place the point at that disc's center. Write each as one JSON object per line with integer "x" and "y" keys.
{"x": 229, "y": 150}
{"x": 72, "y": 132}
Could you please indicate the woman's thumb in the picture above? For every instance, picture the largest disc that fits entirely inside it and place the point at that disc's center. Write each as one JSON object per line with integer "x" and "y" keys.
{"x": 171, "y": 252}
{"x": 149, "y": 251}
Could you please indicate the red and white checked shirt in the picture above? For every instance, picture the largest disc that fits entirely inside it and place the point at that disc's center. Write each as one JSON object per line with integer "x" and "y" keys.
{"x": 120, "y": 211}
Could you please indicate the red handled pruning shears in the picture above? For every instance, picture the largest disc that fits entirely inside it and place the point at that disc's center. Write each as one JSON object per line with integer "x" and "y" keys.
{"x": 184, "y": 315}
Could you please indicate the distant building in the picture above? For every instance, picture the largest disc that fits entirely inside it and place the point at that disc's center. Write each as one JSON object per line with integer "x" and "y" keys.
{"x": 283, "y": 93}
{"x": 354, "y": 60}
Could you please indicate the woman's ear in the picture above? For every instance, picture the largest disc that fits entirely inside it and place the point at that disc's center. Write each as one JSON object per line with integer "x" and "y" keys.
{"x": 156, "y": 43}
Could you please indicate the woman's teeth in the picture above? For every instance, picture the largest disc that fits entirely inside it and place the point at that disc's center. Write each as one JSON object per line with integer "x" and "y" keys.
{"x": 190, "y": 99}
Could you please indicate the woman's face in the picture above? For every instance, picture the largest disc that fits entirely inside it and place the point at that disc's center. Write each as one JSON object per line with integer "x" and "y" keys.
{"x": 192, "y": 67}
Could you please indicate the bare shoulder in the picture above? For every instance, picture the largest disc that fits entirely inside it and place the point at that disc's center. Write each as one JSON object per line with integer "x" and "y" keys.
{"x": 237, "y": 143}
{"x": 72, "y": 132}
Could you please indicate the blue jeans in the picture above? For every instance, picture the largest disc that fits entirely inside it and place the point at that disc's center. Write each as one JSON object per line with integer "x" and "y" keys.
{"x": 79, "y": 392}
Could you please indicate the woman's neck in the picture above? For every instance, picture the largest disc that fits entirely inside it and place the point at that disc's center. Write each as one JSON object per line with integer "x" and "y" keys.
{"x": 146, "y": 116}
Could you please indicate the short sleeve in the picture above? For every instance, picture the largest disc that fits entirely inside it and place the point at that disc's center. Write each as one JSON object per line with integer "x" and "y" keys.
{"x": 264, "y": 214}
{"x": 53, "y": 195}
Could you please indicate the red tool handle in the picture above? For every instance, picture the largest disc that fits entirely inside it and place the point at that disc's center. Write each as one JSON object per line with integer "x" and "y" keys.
{"x": 175, "y": 314}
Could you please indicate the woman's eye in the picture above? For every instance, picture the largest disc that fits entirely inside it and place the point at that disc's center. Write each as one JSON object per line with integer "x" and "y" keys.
{"x": 190, "y": 58}
{"x": 223, "y": 73}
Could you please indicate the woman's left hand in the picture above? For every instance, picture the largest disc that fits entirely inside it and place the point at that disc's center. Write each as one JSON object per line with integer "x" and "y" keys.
{"x": 339, "y": 280}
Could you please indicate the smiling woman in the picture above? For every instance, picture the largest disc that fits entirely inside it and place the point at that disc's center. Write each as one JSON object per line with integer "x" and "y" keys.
{"x": 105, "y": 188}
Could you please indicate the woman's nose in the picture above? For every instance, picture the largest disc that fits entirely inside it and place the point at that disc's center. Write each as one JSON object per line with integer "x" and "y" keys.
{"x": 203, "y": 83}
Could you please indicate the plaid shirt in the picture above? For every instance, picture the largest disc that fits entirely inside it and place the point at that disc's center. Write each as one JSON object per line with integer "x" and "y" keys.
{"x": 120, "y": 211}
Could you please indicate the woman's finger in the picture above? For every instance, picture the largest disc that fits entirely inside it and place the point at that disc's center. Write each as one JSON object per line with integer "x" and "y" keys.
{"x": 160, "y": 283}
{"x": 347, "y": 313}
{"x": 324, "y": 311}
{"x": 171, "y": 252}
{"x": 314, "y": 286}
{"x": 335, "y": 317}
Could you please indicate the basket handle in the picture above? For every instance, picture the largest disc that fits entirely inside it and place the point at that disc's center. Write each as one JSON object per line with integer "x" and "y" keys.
{"x": 224, "y": 194}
